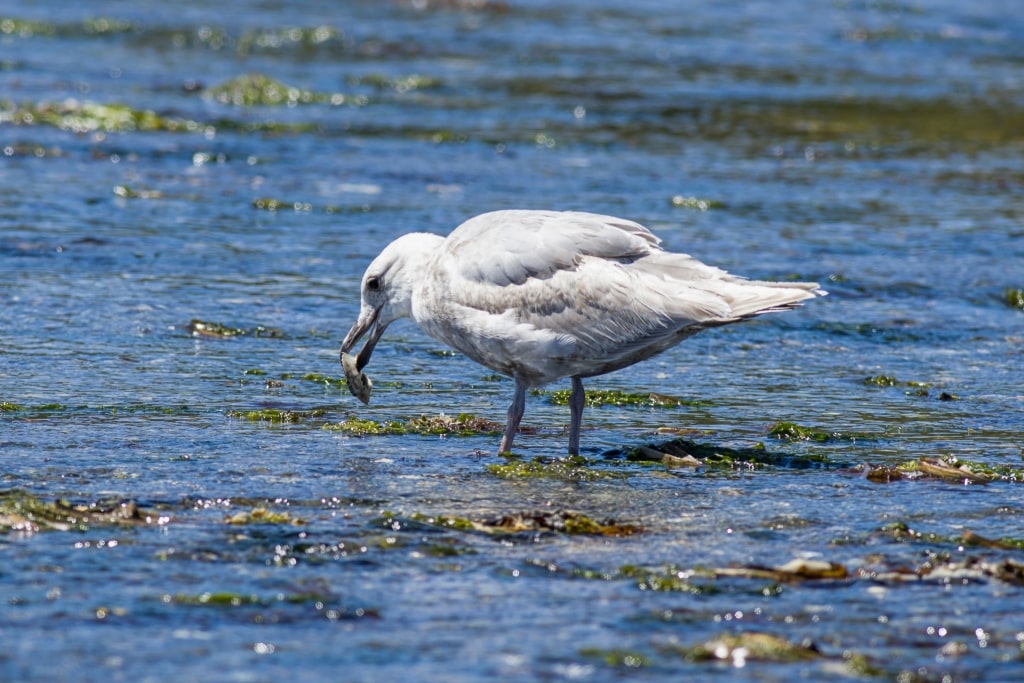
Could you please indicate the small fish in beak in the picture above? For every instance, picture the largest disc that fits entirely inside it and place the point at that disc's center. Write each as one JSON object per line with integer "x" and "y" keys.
{"x": 358, "y": 383}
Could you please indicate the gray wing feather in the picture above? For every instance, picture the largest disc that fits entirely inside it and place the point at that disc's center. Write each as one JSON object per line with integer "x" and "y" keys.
{"x": 597, "y": 292}
{"x": 515, "y": 246}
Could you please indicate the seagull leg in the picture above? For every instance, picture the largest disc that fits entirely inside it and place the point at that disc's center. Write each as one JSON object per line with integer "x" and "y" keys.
{"x": 515, "y": 414}
{"x": 576, "y": 401}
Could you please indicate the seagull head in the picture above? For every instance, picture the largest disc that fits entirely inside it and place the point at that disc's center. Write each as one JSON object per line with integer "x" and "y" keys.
{"x": 387, "y": 288}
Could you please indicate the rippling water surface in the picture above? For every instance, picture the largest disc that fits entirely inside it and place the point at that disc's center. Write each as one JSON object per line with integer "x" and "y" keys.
{"x": 192, "y": 190}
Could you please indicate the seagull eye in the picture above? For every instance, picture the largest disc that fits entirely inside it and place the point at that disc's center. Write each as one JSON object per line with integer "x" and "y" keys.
{"x": 373, "y": 283}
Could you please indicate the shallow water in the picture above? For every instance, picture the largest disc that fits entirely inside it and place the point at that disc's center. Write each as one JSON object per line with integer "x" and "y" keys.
{"x": 874, "y": 147}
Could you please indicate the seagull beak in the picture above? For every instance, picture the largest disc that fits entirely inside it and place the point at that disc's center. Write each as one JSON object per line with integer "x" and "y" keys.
{"x": 367, "y": 321}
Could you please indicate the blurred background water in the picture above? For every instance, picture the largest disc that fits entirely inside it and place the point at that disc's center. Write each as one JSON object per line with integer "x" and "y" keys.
{"x": 239, "y": 163}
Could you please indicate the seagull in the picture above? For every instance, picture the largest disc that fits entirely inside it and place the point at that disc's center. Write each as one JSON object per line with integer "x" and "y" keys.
{"x": 539, "y": 296}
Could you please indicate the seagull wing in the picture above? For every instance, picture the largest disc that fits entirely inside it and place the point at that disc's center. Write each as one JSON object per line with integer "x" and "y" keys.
{"x": 515, "y": 246}
{"x": 542, "y": 295}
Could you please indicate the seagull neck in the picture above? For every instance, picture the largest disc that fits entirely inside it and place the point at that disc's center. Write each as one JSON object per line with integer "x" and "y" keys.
{"x": 418, "y": 252}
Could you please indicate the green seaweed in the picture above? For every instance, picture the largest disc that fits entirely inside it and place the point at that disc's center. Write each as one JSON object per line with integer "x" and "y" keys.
{"x": 202, "y": 328}
{"x": 559, "y": 521}
{"x": 790, "y": 431}
{"x": 107, "y": 25}
{"x": 463, "y": 424}
{"x": 616, "y": 657}
{"x": 752, "y": 645}
{"x": 219, "y": 599}
{"x": 573, "y": 468}
{"x": 901, "y": 532}
{"x": 612, "y": 397}
{"x": 1014, "y": 298}
{"x": 444, "y": 521}
{"x": 359, "y": 427}
{"x": 261, "y": 515}
{"x": 400, "y": 84}
{"x": 915, "y": 388}
{"x": 326, "y": 380}
{"x": 86, "y": 117}
{"x": 80, "y": 116}
{"x": 234, "y": 599}
{"x": 881, "y": 381}
{"x": 26, "y": 28}
{"x": 860, "y": 665}
{"x": 277, "y": 416}
{"x": 255, "y": 89}
{"x": 668, "y": 579}
{"x": 268, "y": 39}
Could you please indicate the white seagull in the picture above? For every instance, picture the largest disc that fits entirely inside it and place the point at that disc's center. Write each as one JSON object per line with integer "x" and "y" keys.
{"x": 542, "y": 295}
